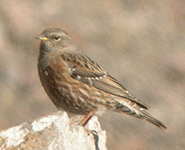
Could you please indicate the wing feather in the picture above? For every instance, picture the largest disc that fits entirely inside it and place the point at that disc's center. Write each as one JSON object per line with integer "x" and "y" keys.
{"x": 87, "y": 71}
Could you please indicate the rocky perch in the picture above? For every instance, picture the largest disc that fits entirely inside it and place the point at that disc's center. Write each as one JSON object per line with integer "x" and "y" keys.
{"x": 54, "y": 132}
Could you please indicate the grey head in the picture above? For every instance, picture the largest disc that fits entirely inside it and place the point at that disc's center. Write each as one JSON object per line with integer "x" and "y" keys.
{"x": 55, "y": 39}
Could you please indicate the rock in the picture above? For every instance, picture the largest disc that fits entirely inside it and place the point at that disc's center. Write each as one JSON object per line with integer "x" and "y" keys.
{"x": 54, "y": 132}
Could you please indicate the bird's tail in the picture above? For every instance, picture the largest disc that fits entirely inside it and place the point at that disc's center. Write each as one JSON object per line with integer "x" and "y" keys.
{"x": 139, "y": 112}
{"x": 152, "y": 120}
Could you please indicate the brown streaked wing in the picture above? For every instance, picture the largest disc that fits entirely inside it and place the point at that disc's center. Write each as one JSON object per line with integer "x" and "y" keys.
{"x": 87, "y": 71}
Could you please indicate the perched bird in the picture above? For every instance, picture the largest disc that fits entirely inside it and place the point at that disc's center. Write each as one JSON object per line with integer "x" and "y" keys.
{"x": 77, "y": 84}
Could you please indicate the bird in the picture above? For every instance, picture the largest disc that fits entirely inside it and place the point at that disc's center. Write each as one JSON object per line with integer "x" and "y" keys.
{"x": 77, "y": 84}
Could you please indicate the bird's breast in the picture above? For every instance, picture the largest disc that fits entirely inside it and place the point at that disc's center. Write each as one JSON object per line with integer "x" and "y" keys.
{"x": 66, "y": 92}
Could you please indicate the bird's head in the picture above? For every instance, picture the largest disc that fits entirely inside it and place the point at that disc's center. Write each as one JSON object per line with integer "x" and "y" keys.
{"x": 55, "y": 39}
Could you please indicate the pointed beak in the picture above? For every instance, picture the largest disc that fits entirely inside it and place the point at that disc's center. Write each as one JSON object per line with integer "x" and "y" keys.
{"x": 41, "y": 37}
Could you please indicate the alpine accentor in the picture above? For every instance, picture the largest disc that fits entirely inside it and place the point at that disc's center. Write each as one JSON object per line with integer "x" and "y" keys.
{"x": 78, "y": 85}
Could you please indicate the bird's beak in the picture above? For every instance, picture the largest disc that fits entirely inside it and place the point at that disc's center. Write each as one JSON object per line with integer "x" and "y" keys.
{"x": 41, "y": 37}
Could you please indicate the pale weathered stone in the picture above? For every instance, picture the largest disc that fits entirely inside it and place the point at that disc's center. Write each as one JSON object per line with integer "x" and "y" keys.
{"x": 54, "y": 132}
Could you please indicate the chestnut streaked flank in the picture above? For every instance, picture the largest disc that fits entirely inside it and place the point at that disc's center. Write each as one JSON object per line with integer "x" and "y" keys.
{"x": 77, "y": 84}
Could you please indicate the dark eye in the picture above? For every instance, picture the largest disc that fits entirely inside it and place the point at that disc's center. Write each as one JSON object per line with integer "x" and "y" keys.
{"x": 56, "y": 37}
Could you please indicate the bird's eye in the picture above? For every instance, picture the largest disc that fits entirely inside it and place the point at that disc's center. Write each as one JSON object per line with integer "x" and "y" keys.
{"x": 56, "y": 37}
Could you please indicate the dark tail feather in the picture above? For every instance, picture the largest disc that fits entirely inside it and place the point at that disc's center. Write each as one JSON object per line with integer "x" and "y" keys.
{"x": 154, "y": 121}
{"x": 134, "y": 111}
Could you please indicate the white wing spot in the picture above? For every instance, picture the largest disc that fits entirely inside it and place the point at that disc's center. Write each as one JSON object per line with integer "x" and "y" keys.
{"x": 46, "y": 72}
{"x": 104, "y": 75}
{"x": 73, "y": 69}
{"x": 78, "y": 77}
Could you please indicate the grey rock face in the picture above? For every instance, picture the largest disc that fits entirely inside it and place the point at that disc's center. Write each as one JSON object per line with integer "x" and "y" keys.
{"x": 54, "y": 132}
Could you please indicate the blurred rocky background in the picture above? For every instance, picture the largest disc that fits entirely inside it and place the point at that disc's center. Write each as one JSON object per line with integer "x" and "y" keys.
{"x": 140, "y": 42}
